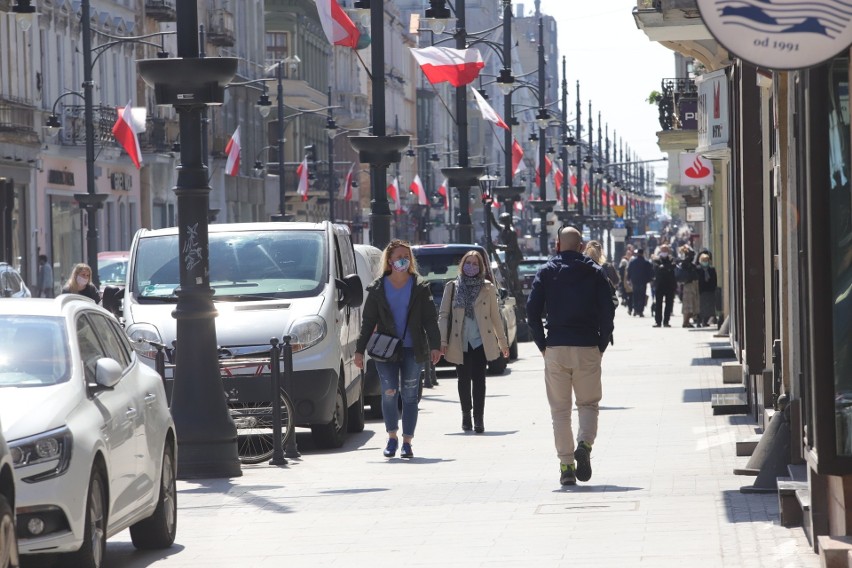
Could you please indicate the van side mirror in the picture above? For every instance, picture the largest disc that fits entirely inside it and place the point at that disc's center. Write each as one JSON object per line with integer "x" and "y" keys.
{"x": 350, "y": 292}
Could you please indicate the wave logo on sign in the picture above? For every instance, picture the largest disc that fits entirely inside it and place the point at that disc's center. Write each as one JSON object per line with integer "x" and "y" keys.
{"x": 694, "y": 170}
{"x": 785, "y": 16}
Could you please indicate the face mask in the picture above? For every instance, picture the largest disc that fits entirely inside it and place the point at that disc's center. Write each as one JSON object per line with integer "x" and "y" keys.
{"x": 401, "y": 265}
{"x": 664, "y": 255}
{"x": 470, "y": 269}
{"x": 82, "y": 281}
{"x": 705, "y": 263}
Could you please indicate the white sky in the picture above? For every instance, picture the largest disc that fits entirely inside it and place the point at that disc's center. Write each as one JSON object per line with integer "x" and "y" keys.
{"x": 617, "y": 66}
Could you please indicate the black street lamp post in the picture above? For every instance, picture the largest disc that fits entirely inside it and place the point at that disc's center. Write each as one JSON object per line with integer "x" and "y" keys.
{"x": 206, "y": 435}
{"x": 330, "y": 128}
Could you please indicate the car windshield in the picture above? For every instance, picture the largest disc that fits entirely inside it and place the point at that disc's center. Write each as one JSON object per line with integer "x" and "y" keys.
{"x": 244, "y": 265}
{"x": 439, "y": 267}
{"x": 112, "y": 271}
{"x": 33, "y": 351}
{"x": 529, "y": 267}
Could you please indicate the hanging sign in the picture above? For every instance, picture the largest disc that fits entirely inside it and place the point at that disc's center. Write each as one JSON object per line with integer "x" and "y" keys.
{"x": 695, "y": 169}
{"x": 780, "y": 34}
{"x": 619, "y": 210}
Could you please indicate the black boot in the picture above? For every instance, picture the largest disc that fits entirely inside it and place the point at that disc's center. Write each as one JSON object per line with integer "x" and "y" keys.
{"x": 478, "y": 425}
{"x": 467, "y": 426}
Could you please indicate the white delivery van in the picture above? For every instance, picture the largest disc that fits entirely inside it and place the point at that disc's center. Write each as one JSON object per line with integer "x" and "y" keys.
{"x": 369, "y": 261}
{"x": 269, "y": 280}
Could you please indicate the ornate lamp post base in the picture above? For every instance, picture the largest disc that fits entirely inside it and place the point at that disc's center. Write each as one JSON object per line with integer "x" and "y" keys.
{"x": 463, "y": 178}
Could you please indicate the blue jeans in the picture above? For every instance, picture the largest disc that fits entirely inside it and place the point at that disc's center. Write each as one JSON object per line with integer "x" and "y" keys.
{"x": 407, "y": 369}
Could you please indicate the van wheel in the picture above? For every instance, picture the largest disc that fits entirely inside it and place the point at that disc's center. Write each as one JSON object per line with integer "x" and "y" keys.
{"x": 356, "y": 414}
{"x": 332, "y": 435}
{"x": 497, "y": 366}
{"x": 513, "y": 350}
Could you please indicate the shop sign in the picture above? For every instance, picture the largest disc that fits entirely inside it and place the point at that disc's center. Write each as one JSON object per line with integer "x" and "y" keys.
{"x": 780, "y": 34}
{"x": 712, "y": 110}
{"x": 695, "y": 169}
{"x": 694, "y": 214}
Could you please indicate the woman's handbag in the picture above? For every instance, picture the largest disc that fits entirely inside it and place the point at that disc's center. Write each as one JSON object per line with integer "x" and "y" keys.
{"x": 383, "y": 347}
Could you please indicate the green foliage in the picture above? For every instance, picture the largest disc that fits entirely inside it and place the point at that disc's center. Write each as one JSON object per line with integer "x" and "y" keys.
{"x": 654, "y": 98}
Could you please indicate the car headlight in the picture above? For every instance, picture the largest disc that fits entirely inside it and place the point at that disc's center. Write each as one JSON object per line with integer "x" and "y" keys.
{"x": 306, "y": 332}
{"x": 140, "y": 335}
{"x": 48, "y": 447}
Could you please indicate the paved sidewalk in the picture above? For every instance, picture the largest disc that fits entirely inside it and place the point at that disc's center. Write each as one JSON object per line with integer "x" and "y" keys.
{"x": 662, "y": 493}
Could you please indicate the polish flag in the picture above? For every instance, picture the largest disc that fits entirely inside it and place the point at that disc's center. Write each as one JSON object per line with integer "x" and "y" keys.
{"x": 586, "y": 192}
{"x": 346, "y": 190}
{"x": 442, "y": 191}
{"x": 572, "y": 181}
{"x": 232, "y": 166}
{"x": 518, "y": 164}
{"x": 458, "y": 66}
{"x": 338, "y": 27}
{"x": 125, "y": 132}
{"x": 302, "y": 172}
{"x": 558, "y": 178}
{"x": 417, "y": 189}
{"x": 393, "y": 193}
{"x": 604, "y": 198}
{"x": 572, "y": 198}
{"x": 548, "y": 165}
{"x": 519, "y": 205}
{"x": 488, "y": 113}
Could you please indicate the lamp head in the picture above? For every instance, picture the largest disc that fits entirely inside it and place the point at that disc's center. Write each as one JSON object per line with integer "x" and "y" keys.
{"x": 258, "y": 167}
{"x": 264, "y": 105}
{"x": 52, "y": 126}
{"x": 24, "y": 14}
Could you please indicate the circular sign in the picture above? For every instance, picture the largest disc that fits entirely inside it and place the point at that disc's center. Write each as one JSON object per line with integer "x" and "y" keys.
{"x": 780, "y": 34}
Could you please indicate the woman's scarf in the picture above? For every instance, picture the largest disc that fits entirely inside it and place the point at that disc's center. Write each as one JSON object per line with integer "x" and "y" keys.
{"x": 467, "y": 289}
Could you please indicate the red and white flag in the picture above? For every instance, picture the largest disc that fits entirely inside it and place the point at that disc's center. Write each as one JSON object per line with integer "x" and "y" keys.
{"x": 519, "y": 205}
{"x": 125, "y": 132}
{"x": 457, "y": 66}
{"x": 302, "y": 172}
{"x": 586, "y": 192}
{"x": 417, "y": 188}
{"x": 338, "y": 27}
{"x": 548, "y": 165}
{"x": 442, "y": 191}
{"x": 232, "y": 166}
{"x": 393, "y": 193}
{"x": 346, "y": 190}
{"x": 572, "y": 197}
{"x": 488, "y": 113}
{"x": 518, "y": 164}
{"x": 558, "y": 178}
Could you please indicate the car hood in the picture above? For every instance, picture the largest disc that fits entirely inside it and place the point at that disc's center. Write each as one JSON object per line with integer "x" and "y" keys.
{"x": 238, "y": 323}
{"x": 27, "y": 411}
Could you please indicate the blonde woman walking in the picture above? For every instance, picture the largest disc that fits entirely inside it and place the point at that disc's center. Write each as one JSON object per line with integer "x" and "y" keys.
{"x": 80, "y": 282}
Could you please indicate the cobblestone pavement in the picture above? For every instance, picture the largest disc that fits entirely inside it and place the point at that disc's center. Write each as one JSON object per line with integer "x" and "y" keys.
{"x": 662, "y": 493}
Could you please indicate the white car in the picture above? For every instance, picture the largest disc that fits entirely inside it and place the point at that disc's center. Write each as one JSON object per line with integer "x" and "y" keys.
{"x": 8, "y": 543}
{"x": 90, "y": 433}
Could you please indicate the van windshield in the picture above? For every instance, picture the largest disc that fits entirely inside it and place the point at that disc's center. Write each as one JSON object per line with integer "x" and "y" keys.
{"x": 244, "y": 265}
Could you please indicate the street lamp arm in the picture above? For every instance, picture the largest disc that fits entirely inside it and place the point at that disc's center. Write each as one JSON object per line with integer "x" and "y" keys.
{"x": 307, "y": 111}
{"x": 253, "y": 84}
{"x": 663, "y": 159}
{"x": 495, "y": 47}
{"x": 100, "y": 49}
{"x": 62, "y": 96}
{"x": 132, "y": 38}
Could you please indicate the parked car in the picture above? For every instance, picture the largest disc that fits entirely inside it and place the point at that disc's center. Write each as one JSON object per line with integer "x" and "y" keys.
{"x": 112, "y": 268}
{"x": 8, "y": 541}
{"x": 527, "y": 270}
{"x": 368, "y": 259}
{"x": 92, "y": 440}
{"x": 11, "y": 283}
{"x": 269, "y": 280}
{"x": 439, "y": 264}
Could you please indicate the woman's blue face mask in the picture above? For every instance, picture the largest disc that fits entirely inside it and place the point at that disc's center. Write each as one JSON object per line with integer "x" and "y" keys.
{"x": 470, "y": 269}
{"x": 401, "y": 264}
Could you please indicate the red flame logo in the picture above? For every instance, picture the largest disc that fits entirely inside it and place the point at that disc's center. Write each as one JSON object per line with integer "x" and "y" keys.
{"x": 697, "y": 170}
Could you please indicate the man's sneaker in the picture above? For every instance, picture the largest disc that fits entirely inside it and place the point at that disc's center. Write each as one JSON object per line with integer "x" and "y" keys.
{"x": 406, "y": 452}
{"x": 567, "y": 476}
{"x": 584, "y": 462}
{"x": 390, "y": 449}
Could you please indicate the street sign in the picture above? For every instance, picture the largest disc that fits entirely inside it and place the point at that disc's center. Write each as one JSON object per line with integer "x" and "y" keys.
{"x": 619, "y": 210}
{"x": 618, "y": 223}
{"x": 618, "y": 234}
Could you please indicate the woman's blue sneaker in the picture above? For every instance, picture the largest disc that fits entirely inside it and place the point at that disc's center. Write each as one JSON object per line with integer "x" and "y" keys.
{"x": 390, "y": 449}
{"x": 406, "y": 451}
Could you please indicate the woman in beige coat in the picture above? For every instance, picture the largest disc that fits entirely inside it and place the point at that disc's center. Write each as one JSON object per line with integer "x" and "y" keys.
{"x": 471, "y": 334}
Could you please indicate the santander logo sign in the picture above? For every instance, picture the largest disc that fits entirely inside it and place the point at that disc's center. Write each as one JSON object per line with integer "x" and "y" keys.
{"x": 695, "y": 170}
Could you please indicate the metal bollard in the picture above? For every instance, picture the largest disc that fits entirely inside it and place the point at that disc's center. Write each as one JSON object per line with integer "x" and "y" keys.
{"x": 274, "y": 364}
{"x": 291, "y": 449}
{"x": 160, "y": 361}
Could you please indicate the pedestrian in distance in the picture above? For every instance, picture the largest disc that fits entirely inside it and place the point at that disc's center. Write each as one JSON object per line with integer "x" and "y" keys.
{"x": 400, "y": 303}
{"x": 687, "y": 275}
{"x": 80, "y": 282}
{"x": 580, "y": 314}
{"x": 666, "y": 286}
{"x": 44, "y": 278}
{"x": 626, "y": 285}
{"x": 640, "y": 272}
{"x": 594, "y": 250}
{"x": 471, "y": 334}
{"x": 707, "y": 284}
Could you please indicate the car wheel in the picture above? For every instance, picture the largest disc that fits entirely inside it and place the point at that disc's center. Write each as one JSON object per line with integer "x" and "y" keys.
{"x": 513, "y": 350}
{"x": 8, "y": 543}
{"x": 497, "y": 366}
{"x": 332, "y": 435}
{"x": 158, "y": 530}
{"x": 356, "y": 414}
{"x": 91, "y": 553}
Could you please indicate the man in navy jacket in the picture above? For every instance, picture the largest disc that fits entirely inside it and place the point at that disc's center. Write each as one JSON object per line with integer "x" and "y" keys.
{"x": 580, "y": 315}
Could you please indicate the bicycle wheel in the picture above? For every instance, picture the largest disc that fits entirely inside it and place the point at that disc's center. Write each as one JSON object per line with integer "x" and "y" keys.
{"x": 254, "y": 428}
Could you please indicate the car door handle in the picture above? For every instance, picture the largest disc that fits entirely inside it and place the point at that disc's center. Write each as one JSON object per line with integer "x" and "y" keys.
{"x": 131, "y": 413}
{"x": 150, "y": 398}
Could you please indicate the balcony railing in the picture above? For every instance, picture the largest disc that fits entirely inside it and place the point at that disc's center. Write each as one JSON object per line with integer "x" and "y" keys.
{"x": 649, "y": 5}
{"x": 161, "y": 10}
{"x": 220, "y": 30}
{"x": 678, "y": 104}
{"x": 74, "y": 125}
{"x": 17, "y": 122}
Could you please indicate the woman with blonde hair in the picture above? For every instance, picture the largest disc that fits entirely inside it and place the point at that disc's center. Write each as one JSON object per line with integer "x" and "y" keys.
{"x": 471, "y": 334}
{"x": 399, "y": 303}
{"x": 594, "y": 250}
{"x": 80, "y": 282}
